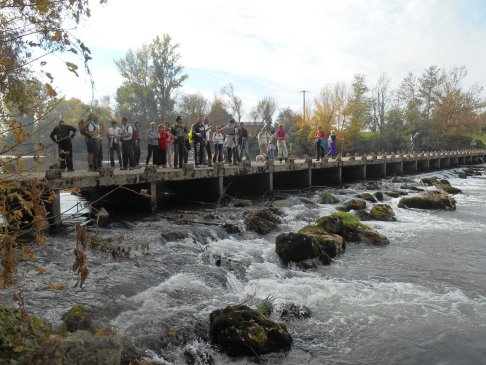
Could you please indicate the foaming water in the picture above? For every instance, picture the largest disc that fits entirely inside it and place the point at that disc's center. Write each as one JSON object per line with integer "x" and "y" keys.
{"x": 420, "y": 300}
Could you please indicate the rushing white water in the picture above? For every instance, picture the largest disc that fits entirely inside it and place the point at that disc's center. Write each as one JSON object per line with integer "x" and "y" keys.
{"x": 420, "y": 300}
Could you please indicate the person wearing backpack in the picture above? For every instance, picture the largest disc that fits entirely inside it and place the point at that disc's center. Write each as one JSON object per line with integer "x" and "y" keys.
{"x": 61, "y": 135}
{"x": 127, "y": 145}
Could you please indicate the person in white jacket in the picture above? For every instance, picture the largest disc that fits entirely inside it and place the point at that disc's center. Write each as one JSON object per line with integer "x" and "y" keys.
{"x": 218, "y": 140}
{"x": 263, "y": 139}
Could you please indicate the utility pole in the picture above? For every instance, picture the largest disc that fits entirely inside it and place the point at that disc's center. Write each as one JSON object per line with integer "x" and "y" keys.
{"x": 303, "y": 97}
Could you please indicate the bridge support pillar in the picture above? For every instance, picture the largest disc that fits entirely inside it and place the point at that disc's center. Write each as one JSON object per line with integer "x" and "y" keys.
{"x": 454, "y": 162}
{"x": 220, "y": 186}
{"x": 153, "y": 196}
{"x": 445, "y": 163}
{"x": 410, "y": 167}
{"x": 54, "y": 209}
{"x": 468, "y": 160}
{"x": 434, "y": 164}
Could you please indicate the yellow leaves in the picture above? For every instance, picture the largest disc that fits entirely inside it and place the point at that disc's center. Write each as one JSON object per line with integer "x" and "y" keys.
{"x": 72, "y": 67}
{"x": 52, "y": 197}
{"x": 17, "y": 130}
{"x": 18, "y": 348}
{"x": 40, "y": 239}
{"x": 144, "y": 193}
{"x": 4, "y": 61}
{"x": 50, "y": 90}
{"x": 57, "y": 36}
{"x": 43, "y": 6}
{"x": 40, "y": 270}
{"x": 75, "y": 191}
{"x": 48, "y": 74}
{"x": 58, "y": 286}
{"x": 28, "y": 254}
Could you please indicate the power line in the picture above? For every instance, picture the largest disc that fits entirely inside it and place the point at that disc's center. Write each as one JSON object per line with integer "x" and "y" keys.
{"x": 303, "y": 99}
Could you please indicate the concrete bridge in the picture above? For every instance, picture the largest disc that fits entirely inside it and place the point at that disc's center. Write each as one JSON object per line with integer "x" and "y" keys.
{"x": 210, "y": 183}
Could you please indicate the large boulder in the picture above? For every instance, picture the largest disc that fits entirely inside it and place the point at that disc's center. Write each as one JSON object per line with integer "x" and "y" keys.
{"x": 262, "y": 221}
{"x": 379, "y": 196}
{"x": 434, "y": 200}
{"x": 297, "y": 247}
{"x": 354, "y": 231}
{"x": 382, "y": 212}
{"x": 354, "y": 204}
{"x": 242, "y": 331}
{"x": 330, "y": 224}
{"x": 333, "y": 244}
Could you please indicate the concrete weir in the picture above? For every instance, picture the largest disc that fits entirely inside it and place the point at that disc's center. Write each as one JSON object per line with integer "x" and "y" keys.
{"x": 146, "y": 188}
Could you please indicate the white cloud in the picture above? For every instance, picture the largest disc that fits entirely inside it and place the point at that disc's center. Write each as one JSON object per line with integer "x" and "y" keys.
{"x": 290, "y": 46}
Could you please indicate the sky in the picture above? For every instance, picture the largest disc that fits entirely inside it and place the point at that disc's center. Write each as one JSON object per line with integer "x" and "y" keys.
{"x": 278, "y": 48}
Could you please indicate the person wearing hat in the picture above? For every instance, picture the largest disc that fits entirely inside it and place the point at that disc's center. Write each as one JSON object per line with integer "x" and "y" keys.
{"x": 61, "y": 135}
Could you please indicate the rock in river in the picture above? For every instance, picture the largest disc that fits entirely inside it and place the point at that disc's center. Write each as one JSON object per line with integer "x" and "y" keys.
{"x": 434, "y": 200}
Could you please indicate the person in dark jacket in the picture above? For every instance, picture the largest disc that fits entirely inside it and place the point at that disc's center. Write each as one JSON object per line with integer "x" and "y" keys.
{"x": 179, "y": 131}
{"x": 62, "y": 135}
{"x": 198, "y": 139}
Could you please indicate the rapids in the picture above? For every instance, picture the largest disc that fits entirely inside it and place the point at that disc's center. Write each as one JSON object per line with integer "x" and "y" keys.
{"x": 420, "y": 300}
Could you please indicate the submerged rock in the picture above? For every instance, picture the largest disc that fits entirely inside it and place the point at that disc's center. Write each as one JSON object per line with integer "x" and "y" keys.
{"x": 367, "y": 196}
{"x": 382, "y": 212}
{"x": 396, "y": 193}
{"x": 379, "y": 196}
{"x": 328, "y": 198}
{"x": 442, "y": 184}
{"x": 242, "y": 331}
{"x": 80, "y": 348}
{"x": 77, "y": 318}
{"x": 290, "y": 311}
{"x": 297, "y": 247}
{"x": 410, "y": 187}
{"x": 262, "y": 221}
{"x": 434, "y": 200}
{"x": 354, "y": 204}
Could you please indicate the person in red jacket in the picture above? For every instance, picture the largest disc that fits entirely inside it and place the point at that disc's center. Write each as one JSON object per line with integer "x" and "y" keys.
{"x": 164, "y": 140}
{"x": 320, "y": 138}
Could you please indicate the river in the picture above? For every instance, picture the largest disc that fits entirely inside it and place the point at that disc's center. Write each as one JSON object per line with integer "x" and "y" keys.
{"x": 420, "y": 300}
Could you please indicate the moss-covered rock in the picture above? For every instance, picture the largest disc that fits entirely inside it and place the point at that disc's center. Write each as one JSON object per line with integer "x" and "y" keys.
{"x": 297, "y": 247}
{"x": 333, "y": 244}
{"x": 242, "y": 331}
{"x": 411, "y": 187}
{"x": 396, "y": 193}
{"x": 262, "y": 221}
{"x": 382, "y": 212}
{"x": 442, "y": 184}
{"x": 379, "y": 196}
{"x": 77, "y": 318}
{"x": 331, "y": 223}
{"x": 368, "y": 197}
{"x": 354, "y": 204}
{"x": 434, "y": 200}
{"x": 354, "y": 231}
{"x": 328, "y": 198}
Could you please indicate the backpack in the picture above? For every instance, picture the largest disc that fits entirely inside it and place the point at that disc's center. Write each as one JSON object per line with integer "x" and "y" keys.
{"x": 83, "y": 128}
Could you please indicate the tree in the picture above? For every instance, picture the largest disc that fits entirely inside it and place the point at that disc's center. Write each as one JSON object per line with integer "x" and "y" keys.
{"x": 167, "y": 73}
{"x": 135, "y": 97}
{"x": 358, "y": 110}
{"x": 429, "y": 86}
{"x": 232, "y": 102}
{"x": 329, "y": 106}
{"x": 191, "y": 106}
{"x": 380, "y": 100}
{"x": 218, "y": 114}
{"x": 31, "y": 31}
{"x": 264, "y": 111}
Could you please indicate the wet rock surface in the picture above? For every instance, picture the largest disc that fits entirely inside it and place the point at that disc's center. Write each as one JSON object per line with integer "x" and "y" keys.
{"x": 242, "y": 331}
{"x": 434, "y": 200}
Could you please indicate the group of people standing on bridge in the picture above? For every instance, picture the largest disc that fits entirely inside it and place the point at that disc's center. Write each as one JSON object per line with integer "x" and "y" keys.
{"x": 169, "y": 146}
